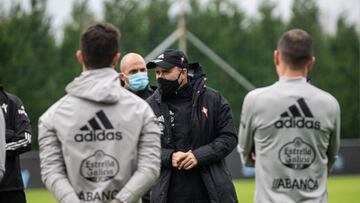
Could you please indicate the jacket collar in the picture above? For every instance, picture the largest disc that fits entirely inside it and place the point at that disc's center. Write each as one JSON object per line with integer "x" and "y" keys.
{"x": 292, "y": 79}
{"x": 100, "y": 85}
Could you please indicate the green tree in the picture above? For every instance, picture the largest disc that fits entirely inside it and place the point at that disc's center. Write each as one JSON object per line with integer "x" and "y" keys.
{"x": 246, "y": 44}
{"x": 337, "y": 62}
{"x": 27, "y": 58}
{"x": 81, "y": 17}
{"x": 143, "y": 25}
{"x": 37, "y": 70}
{"x": 218, "y": 25}
{"x": 343, "y": 78}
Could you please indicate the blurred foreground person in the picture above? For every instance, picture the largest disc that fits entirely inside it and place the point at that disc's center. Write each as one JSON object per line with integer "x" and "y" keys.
{"x": 18, "y": 141}
{"x": 134, "y": 76}
{"x": 290, "y": 131}
{"x": 2, "y": 145}
{"x": 99, "y": 143}
{"x": 198, "y": 133}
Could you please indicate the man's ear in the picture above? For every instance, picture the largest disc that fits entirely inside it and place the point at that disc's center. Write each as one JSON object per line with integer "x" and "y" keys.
{"x": 276, "y": 58}
{"x": 311, "y": 63}
{"x": 122, "y": 77}
{"x": 115, "y": 59}
{"x": 80, "y": 57}
{"x": 185, "y": 73}
{"x": 123, "y": 81}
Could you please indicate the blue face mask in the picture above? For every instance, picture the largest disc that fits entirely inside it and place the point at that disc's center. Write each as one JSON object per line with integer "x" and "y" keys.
{"x": 138, "y": 81}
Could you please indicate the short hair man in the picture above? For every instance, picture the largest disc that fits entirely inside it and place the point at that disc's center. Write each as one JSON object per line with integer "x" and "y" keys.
{"x": 198, "y": 133}
{"x": 18, "y": 141}
{"x": 133, "y": 75}
{"x": 291, "y": 128}
{"x": 99, "y": 143}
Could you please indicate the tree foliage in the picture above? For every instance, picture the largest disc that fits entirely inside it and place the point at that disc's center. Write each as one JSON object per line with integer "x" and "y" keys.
{"x": 37, "y": 69}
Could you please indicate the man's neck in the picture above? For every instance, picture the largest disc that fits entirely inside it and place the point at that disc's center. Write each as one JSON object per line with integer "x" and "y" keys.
{"x": 84, "y": 68}
{"x": 288, "y": 72}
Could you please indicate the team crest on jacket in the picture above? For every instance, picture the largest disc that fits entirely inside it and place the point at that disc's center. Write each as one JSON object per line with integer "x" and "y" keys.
{"x": 99, "y": 167}
{"x": 298, "y": 115}
{"x": 205, "y": 111}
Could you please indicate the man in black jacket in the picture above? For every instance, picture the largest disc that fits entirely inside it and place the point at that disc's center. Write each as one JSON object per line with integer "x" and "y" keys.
{"x": 198, "y": 133}
{"x": 18, "y": 141}
{"x": 134, "y": 77}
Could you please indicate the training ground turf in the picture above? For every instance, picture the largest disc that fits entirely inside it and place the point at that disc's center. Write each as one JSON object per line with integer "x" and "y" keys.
{"x": 341, "y": 189}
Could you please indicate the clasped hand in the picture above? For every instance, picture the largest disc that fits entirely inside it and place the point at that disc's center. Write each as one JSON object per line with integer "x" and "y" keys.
{"x": 184, "y": 160}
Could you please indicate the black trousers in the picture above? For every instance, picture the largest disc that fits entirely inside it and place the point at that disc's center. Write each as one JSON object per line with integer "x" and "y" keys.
{"x": 13, "y": 197}
{"x": 146, "y": 198}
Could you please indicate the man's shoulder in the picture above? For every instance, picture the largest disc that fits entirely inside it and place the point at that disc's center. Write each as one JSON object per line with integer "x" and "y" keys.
{"x": 322, "y": 93}
{"x": 124, "y": 93}
{"x": 13, "y": 98}
{"x": 213, "y": 98}
{"x": 51, "y": 111}
{"x": 209, "y": 91}
{"x": 259, "y": 92}
{"x": 130, "y": 100}
{"x": 324, "y": 97}
{"x": 154, "y": 97}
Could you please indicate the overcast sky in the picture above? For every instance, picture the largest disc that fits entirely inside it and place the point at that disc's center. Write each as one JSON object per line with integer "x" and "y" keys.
{"x": 329, "y": 10}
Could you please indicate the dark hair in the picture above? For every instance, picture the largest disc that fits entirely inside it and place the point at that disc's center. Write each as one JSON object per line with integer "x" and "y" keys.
{"x": 296, "y": 48}
{"x": 99, "y": 44}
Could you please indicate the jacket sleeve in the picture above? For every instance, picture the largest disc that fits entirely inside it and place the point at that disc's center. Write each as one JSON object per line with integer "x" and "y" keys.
{"x": 225, "y": 140}
{"x": 334, "y": 143}
{"x": 52, "y": 165}
{"x": 148, "y": 165}
{"x": 166, "y": 155}
{"x": 2, "y": 145}
{"x": 20, "y": 139}
{"x": 246, "y": 140}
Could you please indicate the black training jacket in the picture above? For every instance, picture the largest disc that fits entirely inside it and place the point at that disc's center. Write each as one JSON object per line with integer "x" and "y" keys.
{"x": 18, "y": 139}
{"x": 146, "y": 93}
{"x": 213, "y": 137}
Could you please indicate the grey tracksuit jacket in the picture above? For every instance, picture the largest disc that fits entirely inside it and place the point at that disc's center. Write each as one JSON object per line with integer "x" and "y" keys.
{"x": 99, "y": 142}
{"x": 294, "y": 130}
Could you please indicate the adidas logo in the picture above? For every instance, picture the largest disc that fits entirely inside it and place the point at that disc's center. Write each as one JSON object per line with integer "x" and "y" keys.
{"x": 98, "y": 128}
{"x": 298, "y": 115}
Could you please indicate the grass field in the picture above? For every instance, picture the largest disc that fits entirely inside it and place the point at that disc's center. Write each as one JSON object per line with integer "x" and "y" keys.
{"x": 341, "y": 189}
